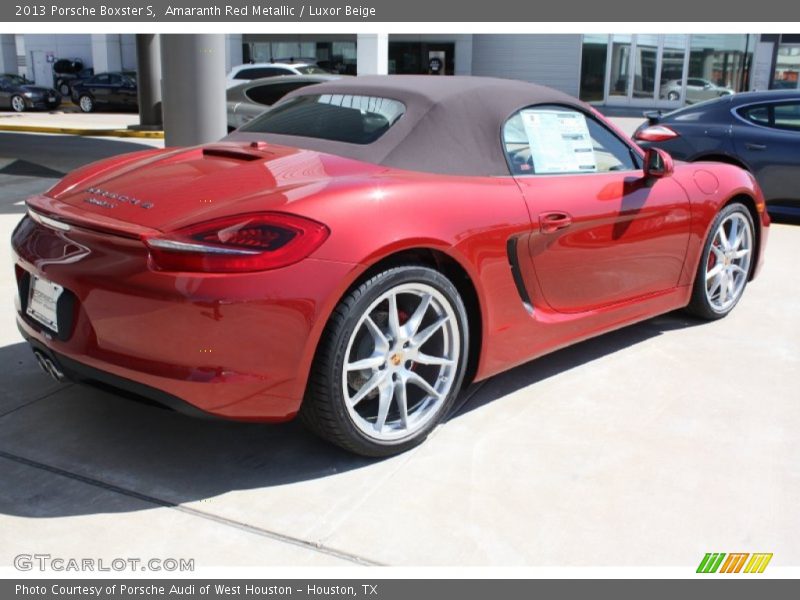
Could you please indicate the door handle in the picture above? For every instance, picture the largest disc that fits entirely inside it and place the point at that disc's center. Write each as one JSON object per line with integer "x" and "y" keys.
{"x": 751, "y": 146}
{"x": 553, "y": 221}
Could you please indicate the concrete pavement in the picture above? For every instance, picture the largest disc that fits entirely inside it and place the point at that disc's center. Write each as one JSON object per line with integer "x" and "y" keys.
{"x": 648, "y": 446}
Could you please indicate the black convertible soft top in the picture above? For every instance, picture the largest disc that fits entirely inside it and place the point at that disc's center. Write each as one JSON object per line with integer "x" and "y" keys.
{"x": 452, "y": 125}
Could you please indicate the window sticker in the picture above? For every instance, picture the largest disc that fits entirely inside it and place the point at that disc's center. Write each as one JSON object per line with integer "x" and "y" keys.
{"x": 559, "y": 141}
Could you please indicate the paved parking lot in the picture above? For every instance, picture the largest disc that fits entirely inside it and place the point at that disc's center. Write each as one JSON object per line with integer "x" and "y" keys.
{"x": 648, "y": 446}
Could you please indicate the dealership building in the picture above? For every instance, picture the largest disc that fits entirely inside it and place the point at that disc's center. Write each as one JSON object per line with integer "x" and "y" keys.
{"x": 618, "y": 70}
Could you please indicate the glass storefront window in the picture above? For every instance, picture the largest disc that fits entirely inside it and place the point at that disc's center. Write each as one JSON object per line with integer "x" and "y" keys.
{"x": 723, "y": 61}
{"x": 336, "y": 57}
{"x": 672, "y": 59}
{"x": 620, "y": 65}
{"x": 594, "y": 57}
{"x": 644, "y": 66}
{"x": 787, "y": 67}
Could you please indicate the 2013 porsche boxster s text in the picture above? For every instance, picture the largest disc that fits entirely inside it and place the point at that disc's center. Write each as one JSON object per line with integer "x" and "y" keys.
{"x": 357, "y": 253}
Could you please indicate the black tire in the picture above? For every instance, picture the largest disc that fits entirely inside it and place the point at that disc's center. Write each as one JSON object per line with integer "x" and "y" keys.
{"x": 63, "y": 89}
{"x": 700, "y": 305}
{"x": 673, "y": 96}
{"x": 86, "y": 103}
{"x": 18, "y": 104}
{"x": 324, "y": 410}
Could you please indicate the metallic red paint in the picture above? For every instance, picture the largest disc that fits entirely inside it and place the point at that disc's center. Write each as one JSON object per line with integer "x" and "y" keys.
{"x": 240, "y": 345}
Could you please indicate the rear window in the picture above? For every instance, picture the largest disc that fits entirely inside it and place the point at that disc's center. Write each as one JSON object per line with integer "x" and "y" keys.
{"x": 260, "y": 72}
{"x": 338, "y": 117}
{"x": 269, "y": 93}
{"x": 311, "y": 70}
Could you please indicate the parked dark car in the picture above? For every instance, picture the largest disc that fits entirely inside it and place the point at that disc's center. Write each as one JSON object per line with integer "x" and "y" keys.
{"x": 107, "y": 90}
{"x": 20, "y": 94}
{"x": 759, "y": 131}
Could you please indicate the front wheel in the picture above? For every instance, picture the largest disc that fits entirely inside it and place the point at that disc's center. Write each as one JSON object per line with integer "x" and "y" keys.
{"x": 390, "y": 363}
{"x": 18, "y": 104}
{"x": 86, "y": 103}
{"x": 725, "y": 264}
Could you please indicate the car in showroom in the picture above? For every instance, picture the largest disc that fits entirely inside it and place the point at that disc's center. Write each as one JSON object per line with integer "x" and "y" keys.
{"x": 19, "y": 94}
{"x": 114, "y": 90}
{"x": 251, "y": 98}
{"x": 358, "y": 252}
{"x": 248, "y": 72}
{"x": 758, "y": 131}
{"x": 697, "y": 90}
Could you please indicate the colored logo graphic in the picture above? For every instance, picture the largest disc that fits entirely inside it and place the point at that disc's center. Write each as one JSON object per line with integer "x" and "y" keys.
{"x": 719, "y": 562}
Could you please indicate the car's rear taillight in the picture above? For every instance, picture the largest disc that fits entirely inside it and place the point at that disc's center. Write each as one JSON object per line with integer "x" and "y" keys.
{"x": 655, "y": 133}
{"x": 251, "y": 242}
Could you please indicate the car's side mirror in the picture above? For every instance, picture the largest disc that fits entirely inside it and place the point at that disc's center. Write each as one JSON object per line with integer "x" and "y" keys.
{"x": 658, "y": 163}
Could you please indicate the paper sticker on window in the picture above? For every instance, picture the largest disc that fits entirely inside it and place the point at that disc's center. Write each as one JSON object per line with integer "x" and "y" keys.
{"x": 559, "y": 141}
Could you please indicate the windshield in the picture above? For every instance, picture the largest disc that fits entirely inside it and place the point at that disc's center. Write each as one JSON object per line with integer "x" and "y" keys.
{"x": 337, "y": 117}
{"x": 16, "y": 79}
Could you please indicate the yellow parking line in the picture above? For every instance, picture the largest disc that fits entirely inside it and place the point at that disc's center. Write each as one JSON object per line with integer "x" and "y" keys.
{"x": 126, "y": 133}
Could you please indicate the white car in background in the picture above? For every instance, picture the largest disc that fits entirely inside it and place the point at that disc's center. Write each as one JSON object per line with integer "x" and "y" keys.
{"x": 697, "y": 90}
{"x": 248, "y": 72}
{"x": 250, "y": 98}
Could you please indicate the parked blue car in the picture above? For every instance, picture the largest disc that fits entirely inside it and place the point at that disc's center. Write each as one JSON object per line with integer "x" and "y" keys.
{"x": 759, "y": 131}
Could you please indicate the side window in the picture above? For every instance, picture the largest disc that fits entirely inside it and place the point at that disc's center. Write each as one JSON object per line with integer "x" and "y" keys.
{"x": 546, "y": 140}
{"x": 756, "y": 114}
{"x": 100, "y": 79}
{"x": 269, "y": 94}
{"x": 115, "y": 80}
{"x": 258, "y": 73}
{"x": 787, "y": 116}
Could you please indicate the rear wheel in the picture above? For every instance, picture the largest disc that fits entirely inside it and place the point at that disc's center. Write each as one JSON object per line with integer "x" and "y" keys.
{"x": 86, "y": 103}
{"x": 725, "y": 265}
{"x": 63, "y": 88}
{"x": 673, "y": 95}
{"x": 390, "y": 363}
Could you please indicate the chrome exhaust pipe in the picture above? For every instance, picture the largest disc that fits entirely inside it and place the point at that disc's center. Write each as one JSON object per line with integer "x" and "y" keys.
{"x": 48, "y": 366}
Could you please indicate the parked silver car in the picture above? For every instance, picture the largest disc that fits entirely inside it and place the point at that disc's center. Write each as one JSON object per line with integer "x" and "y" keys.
{"x": 697, "y": 90}
{"x": 251, "y": 98}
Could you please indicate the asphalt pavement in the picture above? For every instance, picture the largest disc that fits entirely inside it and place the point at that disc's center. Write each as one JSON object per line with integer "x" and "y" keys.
{"x": 648, "y": 446}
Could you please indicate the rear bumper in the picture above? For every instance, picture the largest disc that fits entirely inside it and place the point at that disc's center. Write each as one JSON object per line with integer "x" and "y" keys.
{"x": 236, "y": 346}
{"x": 81, "y": 373}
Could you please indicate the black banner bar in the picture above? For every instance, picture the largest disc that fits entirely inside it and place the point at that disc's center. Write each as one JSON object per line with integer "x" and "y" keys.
{"x": 730, "y": 588}
{"x": 467, "y": 11}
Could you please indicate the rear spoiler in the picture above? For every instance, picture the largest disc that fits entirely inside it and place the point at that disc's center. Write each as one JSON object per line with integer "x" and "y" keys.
{"x": 652, "y": 116}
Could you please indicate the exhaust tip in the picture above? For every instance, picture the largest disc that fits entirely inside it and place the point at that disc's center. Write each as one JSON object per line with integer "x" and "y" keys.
{"x": 48, "y": 366}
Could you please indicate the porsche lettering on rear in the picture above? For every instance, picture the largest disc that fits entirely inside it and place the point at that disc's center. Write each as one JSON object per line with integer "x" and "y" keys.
{"x": 121, "y": 198}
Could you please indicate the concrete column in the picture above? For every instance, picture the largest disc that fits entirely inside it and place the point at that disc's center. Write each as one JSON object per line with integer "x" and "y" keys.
{"x": 193, "y": 88}
{"x": 372, "y": 53}
{"x": 8, "y": 54}
{"x": 106, "y": 52}
{"x": 148, "y": 61}
{"x": 233, "y": 45}
{"x": 463, "y": 62}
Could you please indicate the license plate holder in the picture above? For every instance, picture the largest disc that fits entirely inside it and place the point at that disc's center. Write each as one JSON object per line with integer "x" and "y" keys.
{"x": 43, "y": 297}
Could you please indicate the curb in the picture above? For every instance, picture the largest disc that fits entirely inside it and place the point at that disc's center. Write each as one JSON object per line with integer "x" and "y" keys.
{"x": 123, "y": 133}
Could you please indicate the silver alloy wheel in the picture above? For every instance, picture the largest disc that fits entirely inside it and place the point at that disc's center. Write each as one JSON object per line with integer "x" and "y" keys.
{"x": 18, "y": 104}
{"x": 86, "y": 104}
{"x": 728, "y": 262}
{"x": 401, "y": 362}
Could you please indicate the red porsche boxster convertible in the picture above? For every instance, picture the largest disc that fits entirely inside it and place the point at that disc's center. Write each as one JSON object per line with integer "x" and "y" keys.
{"x": 361, "y": 250}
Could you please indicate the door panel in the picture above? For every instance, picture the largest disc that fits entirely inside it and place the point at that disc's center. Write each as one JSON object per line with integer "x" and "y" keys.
{"x": 624, "y": 237}
{"x": 773, "y": 157}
